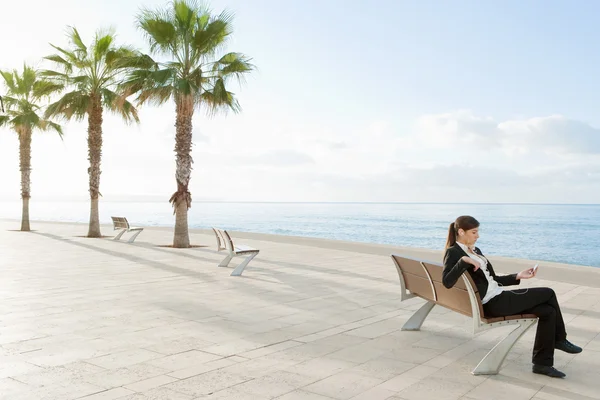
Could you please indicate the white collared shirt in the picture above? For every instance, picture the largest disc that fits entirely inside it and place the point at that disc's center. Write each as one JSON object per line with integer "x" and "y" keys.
{"x": 493, "y": 289}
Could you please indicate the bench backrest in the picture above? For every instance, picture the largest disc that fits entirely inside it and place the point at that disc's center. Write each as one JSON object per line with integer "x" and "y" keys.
{"x": 424, "y": 279}
{"x": 120, "y": 223}
{"x": 224, "y": 241}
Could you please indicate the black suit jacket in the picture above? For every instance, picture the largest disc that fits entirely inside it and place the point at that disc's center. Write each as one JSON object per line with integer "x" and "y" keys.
{"x": 454, "y": 268}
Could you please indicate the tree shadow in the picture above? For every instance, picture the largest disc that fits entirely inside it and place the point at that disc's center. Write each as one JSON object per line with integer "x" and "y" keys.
{"x": 132, "y": 258}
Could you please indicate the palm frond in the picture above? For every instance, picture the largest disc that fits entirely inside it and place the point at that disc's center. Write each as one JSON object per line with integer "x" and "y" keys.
{"x": 219, "y": 99}
{"x": 233, "y": 65}
{"x": 10, "y": 102}
{"x": 208, "y": 41}
{"x": 9, "y": 80}
{"x": 76, "y": 40}
{"x": 26, "y": 80}
{"x": 71, "y": 58}
{"x": 24, "y": 89}
{"x": 158, "y": 95}
{"x": 118, "y": 103}
{"x": 49, "y": 125}
{"x": 102, "y": 45}
{"x": 44, "y": 88}
{"x": 120, "y": 57}
{"x": 55, "y": 76}
{"x": 67, "y": 66}
{"x": 26, "y": 119}
{"x": 88, "y": 71}
{"x": 159, "y": 31}
{"x": 154, "y": 86}
{"x": 191, "y": 36}
{"x": 71, "y": 105}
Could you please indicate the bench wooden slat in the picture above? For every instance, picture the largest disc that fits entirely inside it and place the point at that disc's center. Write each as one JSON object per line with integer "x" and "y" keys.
{"x": 419, "y": 286}
{"x": 412, "y": 267}
{"x": 457, "y": 300}
{"x": 436, "y": 273}
{"x": 425, "y": 279}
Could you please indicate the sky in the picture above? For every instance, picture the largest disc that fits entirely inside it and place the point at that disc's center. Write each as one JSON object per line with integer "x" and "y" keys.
{"x": 367, "y": 101}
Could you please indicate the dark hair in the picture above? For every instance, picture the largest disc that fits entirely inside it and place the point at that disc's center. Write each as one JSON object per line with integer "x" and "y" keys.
{"x": 464, "y": 222}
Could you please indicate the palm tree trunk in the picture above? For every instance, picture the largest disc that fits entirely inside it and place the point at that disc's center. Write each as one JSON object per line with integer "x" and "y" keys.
{"x": 95, "y": 156}
{"x": 25, "y": 167}
{"x": 182, "y": 198}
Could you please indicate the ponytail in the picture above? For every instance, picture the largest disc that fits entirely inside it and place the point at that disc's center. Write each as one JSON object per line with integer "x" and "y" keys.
{"x": 451, "y": 236}
{"x": 465, "y": 222}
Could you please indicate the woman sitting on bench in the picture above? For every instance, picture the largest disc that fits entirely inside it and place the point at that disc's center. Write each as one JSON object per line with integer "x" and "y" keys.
{"x": 462, "y": 255}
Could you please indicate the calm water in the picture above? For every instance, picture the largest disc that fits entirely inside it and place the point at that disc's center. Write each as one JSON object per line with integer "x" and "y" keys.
{"x": 561, "y": 233}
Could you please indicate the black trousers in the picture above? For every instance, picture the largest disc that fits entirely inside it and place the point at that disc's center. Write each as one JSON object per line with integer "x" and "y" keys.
{"x": 539, "y": 301}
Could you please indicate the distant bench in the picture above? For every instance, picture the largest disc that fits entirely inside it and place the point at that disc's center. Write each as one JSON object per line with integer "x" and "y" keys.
{"x": 224, "y": 242}
{"x": 123, "y": 224}
{"x": 424, "y": 279}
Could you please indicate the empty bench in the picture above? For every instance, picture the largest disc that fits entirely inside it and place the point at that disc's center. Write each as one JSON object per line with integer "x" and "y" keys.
{"x": 423, "y": 279}
{"x": 122, "y": 224}
{"x": 224, "y": 242}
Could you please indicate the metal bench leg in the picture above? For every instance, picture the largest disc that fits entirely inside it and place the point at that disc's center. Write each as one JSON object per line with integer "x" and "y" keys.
{"x": 416, "y": 320}
{"x": 120, "y": 234}
{"x": 226, "y": 260}
{"x": 132, "y": 238}
{"x": 491, "y": 363}
{"x": 240, "y": 268}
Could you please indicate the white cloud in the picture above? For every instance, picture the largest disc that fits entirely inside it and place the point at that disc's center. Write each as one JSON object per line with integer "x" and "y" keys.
{"x": 457, "y": 128}
{"x": 553, "y": 135}
{"x": 451, "y": 157}
{"x": 278, "y": 158}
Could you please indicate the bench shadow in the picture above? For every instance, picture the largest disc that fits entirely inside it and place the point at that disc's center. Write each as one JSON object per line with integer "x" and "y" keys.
{"x": 266, "y": 261}
{"x": 272, "y": 262}
{"x": 159, "y": 265}
{"x": 297, "y": 283}
{"x": 132, "y": 258}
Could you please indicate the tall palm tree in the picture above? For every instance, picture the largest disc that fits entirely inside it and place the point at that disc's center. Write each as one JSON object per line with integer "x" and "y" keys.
{"x": 189, "y": 37}
{"x": 92, "y": 75}
{"x": 22, "y": 114}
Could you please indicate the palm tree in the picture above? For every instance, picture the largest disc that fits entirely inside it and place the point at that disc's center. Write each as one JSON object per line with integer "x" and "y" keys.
{"x": 22, "y": 114}
{"x": 193, "y": 75}
{"x": 92, "y": 74}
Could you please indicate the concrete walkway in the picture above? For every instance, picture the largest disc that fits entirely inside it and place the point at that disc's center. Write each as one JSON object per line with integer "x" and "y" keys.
{"x": 98, "y": 319}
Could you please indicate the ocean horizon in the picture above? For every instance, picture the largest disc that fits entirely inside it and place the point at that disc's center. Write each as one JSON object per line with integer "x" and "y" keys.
{"x": 562, "y": 233}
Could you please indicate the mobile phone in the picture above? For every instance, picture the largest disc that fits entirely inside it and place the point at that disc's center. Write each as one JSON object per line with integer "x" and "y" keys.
{"x": 535, "y": 267}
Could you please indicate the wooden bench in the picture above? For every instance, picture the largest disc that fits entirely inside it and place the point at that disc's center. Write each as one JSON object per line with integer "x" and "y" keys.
{"x": 123, "y": 224}
{"x": 424, "y": 279}
{"x": 224, "y": 242}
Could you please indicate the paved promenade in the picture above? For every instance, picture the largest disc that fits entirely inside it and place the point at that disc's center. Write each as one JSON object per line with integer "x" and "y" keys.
{"x": 96, "y": 319}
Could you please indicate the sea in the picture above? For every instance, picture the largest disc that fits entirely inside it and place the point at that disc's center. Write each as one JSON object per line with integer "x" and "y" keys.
{"x": 547, "y": 232}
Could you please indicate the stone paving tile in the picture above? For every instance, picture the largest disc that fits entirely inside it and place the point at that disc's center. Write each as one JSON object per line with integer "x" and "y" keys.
{"x": 375, "y": 393}
{"x": 105, "y": 319}
{"x": 12, "y": 389}
{"x": 343, "y": 385}
{"x": 208, "y": 382}
{"x": 202, "y": 368}
{"x": 110, "y": 394}
{"x": 160, "y": 393}
{"x": 116, "y": 377}
{"x": 302, "y": 395}
{"x": 151, "y": 383}
{"x": 504, "y": 388}
{"x": 183, "y": 360}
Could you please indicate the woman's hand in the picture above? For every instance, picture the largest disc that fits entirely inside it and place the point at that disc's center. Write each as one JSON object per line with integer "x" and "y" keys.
{"x": 527, "y": 273}
{"x": 469, "y": 260}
